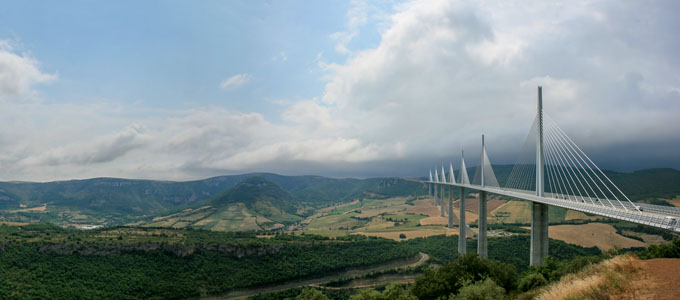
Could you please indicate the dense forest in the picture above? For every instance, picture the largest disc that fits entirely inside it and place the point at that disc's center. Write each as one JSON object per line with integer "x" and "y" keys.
{"x": 45, "y": 261}
{"x": 470, "y": 277}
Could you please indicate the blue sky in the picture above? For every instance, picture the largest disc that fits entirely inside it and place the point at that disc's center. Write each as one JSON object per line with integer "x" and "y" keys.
{"x": 189, "y": 89}
{"x": 175, "y": 53}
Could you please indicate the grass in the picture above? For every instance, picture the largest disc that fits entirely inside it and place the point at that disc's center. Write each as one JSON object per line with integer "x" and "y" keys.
{"x": 337, "y": 221}
{"x": 616, "y": 278}
{"x": 601, "y": 235}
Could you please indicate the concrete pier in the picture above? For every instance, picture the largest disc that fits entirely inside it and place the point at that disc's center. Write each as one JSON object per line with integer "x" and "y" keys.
{"x": 462, "y": 245}
{"x": 481, "y": 236}
{"x": 450, "y": 207}
{"x": 436, "y": 200}
{"x": 539, "y": 233}
{"x": 442, "y": 204}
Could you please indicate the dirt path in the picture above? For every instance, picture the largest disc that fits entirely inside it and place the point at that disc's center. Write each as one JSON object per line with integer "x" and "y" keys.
{"x": 664, "y": 276}
{"x": 241, "y": 294}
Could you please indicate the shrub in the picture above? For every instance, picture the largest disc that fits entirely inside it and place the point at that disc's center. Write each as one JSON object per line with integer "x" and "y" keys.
{"x": 531, "y": 281}
{"x": 667, "y": 250}
{"x": 480, "y": 290}
{"x": 368, "y": 294}
{"x": 311, "y": 294}
{"x": 453, "y": 276}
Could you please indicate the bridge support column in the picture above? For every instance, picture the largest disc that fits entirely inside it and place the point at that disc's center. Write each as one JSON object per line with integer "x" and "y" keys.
{"x": 481, "y": 236}
{"x": 539, "y": 233}
{"x": 442, "y": 204}
{"x": 450, "y": 207}
{"x": 434, "y": 187}
{"x": 462, "y": 245}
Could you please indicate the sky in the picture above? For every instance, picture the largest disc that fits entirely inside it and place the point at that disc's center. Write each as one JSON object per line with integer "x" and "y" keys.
{"x": 182, "y": 90}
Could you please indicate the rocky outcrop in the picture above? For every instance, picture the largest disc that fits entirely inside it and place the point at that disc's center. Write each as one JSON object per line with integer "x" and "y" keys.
{"x": 178, "y": 250}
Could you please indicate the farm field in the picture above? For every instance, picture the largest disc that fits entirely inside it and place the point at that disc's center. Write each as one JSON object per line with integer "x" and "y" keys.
{"x": 419, "y": 217}
{"x": 411, "y": 234}
{"x": 388, "y": 218}
{"x": 675, "y": 201}
{"x": 520, "y": 212}
{"x": 600, "y": 235}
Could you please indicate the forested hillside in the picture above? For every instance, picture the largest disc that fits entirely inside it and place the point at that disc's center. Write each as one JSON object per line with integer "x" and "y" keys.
{"x": 119, "y": 201}
{"x": 45, "y": 261}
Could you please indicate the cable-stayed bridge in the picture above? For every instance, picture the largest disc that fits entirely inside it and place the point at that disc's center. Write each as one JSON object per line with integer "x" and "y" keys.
{"x": 551, "y": 170}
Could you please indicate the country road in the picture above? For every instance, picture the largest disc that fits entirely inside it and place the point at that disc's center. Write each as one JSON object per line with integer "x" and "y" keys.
{"x": 241, "y": 294}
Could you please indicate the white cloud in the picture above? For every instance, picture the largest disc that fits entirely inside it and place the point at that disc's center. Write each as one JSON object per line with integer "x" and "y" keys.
{"x": 356, "y": 17}
{"x": 445, "y": 72}
{"x": 235, "y": 81}
{"x": 310, "y": 114}
{"x": 442, "y": 74}
{"x": 282, "y": 57}
{"x": 19, "y": 72}
{"x": 99, "y": 150}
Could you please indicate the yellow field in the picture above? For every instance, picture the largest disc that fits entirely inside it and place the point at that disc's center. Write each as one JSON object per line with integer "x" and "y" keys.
{"x": 650, "y": 239}
{"x": 435, "y": 221}
{"x": 372, "y": 212}
{"x": 14, "y": 223}
{"x": 600, "y": 235}
{"x": 377, "y": 224}
{"x": 412, "y": 234}
{"x": 423, "y": 207}
{"x": 41, "y": 208}
{"x": 518, "y": 212}
{"x": 469, "y": 216}
{"x": 675, "y": 201}
{"x": 577, "y": 215}
{"x": 330, "y": 208}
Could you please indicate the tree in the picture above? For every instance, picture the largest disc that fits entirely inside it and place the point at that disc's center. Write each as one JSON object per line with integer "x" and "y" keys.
{"x": 531, "y": 281}
{"x": 393, "y": 291}
{"x": 453, "y": 276}
{"x": 480, "y": 290}
{"x": 368, "y": 294}
{"x": 402, "y": 236}
{"x": 311, "y": 294}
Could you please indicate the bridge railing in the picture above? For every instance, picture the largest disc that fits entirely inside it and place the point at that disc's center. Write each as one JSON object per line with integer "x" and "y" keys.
{"x": 650, "y": 215}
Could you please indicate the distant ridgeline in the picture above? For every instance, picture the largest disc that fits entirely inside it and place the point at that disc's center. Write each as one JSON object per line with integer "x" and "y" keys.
{"x": 118, "y": 201}
{"x": 112, "y": 201}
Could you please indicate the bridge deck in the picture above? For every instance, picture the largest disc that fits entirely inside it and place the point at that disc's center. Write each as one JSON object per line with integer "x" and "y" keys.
{"x": 651, "y": 215}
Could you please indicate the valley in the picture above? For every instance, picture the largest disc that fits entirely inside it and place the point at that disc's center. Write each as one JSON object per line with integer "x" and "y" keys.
{"x": 266, "y": 235}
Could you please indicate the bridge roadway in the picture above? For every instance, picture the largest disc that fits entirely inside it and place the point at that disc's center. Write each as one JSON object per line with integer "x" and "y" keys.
{"x": 652, "y": 215}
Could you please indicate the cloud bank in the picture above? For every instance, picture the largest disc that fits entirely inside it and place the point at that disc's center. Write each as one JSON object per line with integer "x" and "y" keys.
{"x": 442, "y": 74}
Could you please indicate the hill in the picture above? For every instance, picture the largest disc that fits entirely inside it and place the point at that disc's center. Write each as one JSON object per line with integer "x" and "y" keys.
{"x": 253, "y": 204}
{"x": 259, "y": 194}
{"x": 112, "y": 201}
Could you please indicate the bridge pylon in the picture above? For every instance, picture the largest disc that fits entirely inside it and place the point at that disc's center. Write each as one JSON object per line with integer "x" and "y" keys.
{"x": 462, "y": 174}
{"x": 482, "y": 244}
{"x": 539, "y": 211}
